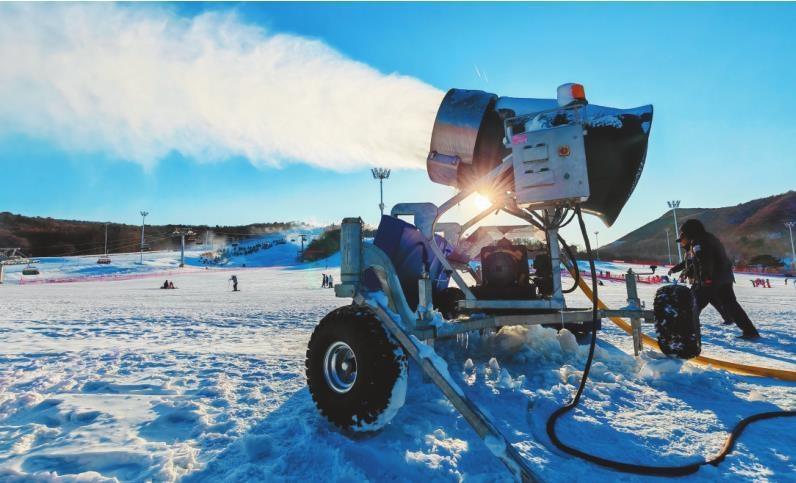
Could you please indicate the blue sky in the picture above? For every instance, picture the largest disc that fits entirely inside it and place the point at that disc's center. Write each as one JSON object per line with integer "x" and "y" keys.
{"x": 720, "y": 78}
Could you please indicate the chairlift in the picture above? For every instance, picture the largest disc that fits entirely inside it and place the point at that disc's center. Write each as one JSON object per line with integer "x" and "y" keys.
{"x": 30, "y": 270}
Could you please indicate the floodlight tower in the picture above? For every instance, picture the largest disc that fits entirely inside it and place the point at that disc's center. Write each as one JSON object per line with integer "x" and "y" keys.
{"x": 790, "y": 225}
{"x": 380, "y": 174}
{"x": 143, "y": 220}
{"x": 668, "y": 246}
{"x": 597, "y": 243}
{"x": 674, "y": 204}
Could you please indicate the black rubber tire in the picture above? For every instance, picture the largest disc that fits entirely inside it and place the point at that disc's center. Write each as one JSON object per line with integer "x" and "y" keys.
{"x": 381, "y": 370}
{"x": 677, "y": 321}
{"x": 445, "y": 302}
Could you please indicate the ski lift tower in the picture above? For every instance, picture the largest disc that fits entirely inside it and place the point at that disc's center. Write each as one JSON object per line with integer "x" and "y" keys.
{"x": 381, "y": 174}
{"x": 182, "y": 233}
{"x": 143, "y": 220}
{"x": 303, "y": 238}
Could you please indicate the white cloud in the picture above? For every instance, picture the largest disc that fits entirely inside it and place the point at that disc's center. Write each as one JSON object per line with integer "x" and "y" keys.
{"x": 139, "y": 82}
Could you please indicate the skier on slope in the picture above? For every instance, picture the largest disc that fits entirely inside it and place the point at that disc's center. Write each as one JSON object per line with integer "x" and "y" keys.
{"x": 713, "y": 277}
{"x": 234, "y": 280}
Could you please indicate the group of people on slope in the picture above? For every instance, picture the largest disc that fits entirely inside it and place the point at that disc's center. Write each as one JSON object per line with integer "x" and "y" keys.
{"x": 167, "y": 285}
{"x": 328, "y": 281}
{"x": 709, "y": 270}
{"x": 764, "y": 282}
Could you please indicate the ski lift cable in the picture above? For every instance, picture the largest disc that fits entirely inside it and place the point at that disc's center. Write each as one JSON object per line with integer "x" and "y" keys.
{"x": 94, "y": 245}
{"x": 124, "y": 245}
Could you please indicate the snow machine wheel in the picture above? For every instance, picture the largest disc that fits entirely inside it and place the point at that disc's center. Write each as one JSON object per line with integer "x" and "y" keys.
{"x": 445, "y": 302}
{"x": 356, "y": 372}
{"x": 677, "y": 321}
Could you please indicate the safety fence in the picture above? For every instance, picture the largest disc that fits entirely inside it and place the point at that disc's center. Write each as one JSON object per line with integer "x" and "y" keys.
{"x": 620, "y": 277}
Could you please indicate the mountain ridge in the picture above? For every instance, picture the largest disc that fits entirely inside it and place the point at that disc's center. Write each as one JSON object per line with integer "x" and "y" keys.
{"x": 52, "y": 237}
{"x": 749, "y": 229}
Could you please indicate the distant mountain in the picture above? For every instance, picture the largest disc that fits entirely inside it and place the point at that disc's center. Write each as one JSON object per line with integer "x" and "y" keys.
{"x": 50, "y": 237}
{"x": 747, "y": 230}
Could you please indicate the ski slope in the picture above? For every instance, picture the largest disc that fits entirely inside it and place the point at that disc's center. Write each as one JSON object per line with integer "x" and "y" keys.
{"x": 132, "y": 265}
{"x": 119, "y": 380}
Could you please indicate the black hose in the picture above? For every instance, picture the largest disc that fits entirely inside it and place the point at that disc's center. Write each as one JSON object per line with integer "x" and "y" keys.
{"x": 629, "y": 467}
{"x": 574, "y": 263}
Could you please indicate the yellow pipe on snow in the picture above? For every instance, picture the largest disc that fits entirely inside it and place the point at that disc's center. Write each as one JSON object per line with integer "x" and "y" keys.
{"x": 734, "y": 367}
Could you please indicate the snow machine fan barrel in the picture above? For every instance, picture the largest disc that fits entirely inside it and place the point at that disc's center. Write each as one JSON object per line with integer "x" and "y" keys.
{"x": 470, "y": 138}
{"x": 466, "y": 139}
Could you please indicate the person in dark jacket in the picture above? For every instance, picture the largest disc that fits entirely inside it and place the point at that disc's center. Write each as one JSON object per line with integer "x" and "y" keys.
{"x": 688, "y": 269}
{"x": 713, "y": 277}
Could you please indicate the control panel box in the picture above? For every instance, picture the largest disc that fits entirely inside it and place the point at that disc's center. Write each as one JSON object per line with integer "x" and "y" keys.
{"x": 550, "y": 166}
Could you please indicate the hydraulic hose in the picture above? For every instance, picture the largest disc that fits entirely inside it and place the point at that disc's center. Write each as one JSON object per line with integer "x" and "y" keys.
{"x": 681, "y": 470}
{"x": 574, "y": 261}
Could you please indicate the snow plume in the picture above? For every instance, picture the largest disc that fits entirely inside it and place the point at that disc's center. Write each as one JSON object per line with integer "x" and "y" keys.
{"x": 138, "y": 82}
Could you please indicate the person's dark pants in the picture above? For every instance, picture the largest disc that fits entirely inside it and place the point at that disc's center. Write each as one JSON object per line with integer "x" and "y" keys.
{"x": 724, "y": 296}
{"x": 725, "y": 316}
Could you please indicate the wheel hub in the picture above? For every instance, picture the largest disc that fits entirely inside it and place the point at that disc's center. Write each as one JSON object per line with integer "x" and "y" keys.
{"x": 340, "y": 367}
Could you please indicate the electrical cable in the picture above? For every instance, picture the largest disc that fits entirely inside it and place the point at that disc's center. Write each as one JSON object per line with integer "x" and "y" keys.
{"x": 574, "y": 261}
{"x": 571, "y": 217}
{"x": 681, "y": 470}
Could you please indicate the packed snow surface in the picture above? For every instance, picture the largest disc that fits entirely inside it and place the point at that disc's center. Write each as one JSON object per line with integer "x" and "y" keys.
{"x": 121, "y": 380}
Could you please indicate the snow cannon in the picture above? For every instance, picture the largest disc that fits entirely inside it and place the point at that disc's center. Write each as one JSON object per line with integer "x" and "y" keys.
{"x": 421, "y": 279}
{"x": 563, "y": 150}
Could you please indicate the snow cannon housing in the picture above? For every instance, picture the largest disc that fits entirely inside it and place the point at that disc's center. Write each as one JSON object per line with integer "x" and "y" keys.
{"x": 539, "y": 160}
{"x": 563, "y": 150}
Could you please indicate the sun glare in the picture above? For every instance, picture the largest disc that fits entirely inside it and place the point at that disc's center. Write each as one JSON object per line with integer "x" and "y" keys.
{"x": 482, "y": 202}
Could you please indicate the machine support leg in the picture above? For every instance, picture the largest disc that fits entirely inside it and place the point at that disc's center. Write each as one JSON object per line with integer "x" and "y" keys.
{"x": 633, "y": 302}
{"x": 555, "y": 260}
{"x": 429, "y": 362}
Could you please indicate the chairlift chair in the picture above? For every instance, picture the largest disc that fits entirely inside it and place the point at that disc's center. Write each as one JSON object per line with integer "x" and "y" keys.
{"x": 30, "y": 270}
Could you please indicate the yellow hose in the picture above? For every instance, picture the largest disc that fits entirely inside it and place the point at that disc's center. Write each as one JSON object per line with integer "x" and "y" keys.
{"x": 734, "y": 367}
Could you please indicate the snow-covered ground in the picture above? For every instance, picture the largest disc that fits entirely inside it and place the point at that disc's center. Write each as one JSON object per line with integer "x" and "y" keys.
{"x": 118, "y": 379}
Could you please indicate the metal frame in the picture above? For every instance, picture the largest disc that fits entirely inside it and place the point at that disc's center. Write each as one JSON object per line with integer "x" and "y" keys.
{"x": 411, "y": 328}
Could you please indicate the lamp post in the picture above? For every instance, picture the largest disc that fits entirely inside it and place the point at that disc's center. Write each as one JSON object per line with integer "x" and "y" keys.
{"x": 790, "y": 225}
{"x": 674, "y": 204}
{"x": 597, "y": 243}
{"x": 380, "y": 174}
{"x": 668, "y": 246}
{"x": 143, "y": 220}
